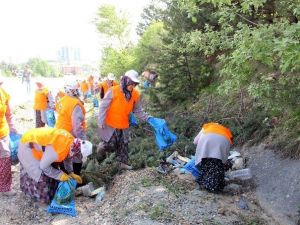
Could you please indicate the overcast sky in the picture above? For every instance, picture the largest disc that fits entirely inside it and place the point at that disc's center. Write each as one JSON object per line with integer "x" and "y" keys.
{"x": 38, "y": 28}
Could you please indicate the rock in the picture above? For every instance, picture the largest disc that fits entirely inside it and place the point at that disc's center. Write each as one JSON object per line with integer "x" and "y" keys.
{"x": 233, "y": 189}
{"x": 222, "y": 211}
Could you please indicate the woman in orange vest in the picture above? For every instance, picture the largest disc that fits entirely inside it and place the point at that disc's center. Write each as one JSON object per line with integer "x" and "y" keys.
{"x": 6, "y": 126}
{"x": 59, "y": 95}
{"x": 109, "y": 81}
{"x": 71, "y": 117}
{"x": 39, "y": 151}
{"x": 84, "y": 89}
{"x": 113, "y": 119}
{"x": 43, "y": 100}
{"x": 90, "y": 81}
{"x": 213, "y": 144}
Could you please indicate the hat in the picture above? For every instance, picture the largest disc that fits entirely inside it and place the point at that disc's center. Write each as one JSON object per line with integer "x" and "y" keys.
{"x": 111, "y": 76}
{"x": 132, "y": 74}
{"x": 86, "y": 148}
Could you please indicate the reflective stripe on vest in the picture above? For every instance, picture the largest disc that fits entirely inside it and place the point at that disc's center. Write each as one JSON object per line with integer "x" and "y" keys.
{"x": 117, "y": 115}
{"x": 41, "y": 99}
{"x": 4, "y": 98}
{"x": 218, "y": 129}
{"x": 65, "y": 107}
{"x": 60, "y": 140}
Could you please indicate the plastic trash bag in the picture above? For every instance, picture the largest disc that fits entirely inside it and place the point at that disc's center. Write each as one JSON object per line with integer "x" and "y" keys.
{"x": 95, "y": 103}
{"x": 163, "y": 136}
{"x": 50, "y": 116}
{"x": 191, "y": 167}
{"x": 89, "y": 94}
{"x": 14, "y": 140}
{"x": 133, "y": 120}
{"x": 64, "y": 199}
{"x": 147, "y": 84}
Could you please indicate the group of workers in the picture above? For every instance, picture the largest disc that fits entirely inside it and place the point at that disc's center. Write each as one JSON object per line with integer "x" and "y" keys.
{"x": 51, "y": 154}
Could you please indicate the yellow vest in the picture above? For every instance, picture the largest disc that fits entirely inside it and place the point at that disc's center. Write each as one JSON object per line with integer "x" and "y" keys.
{"x": 60, "y": 140}
{"x": 4, "y": 98}
{"x": 64, "y": 108}
{"x": 117, "y": 115}
{"x": 41, "y": 99}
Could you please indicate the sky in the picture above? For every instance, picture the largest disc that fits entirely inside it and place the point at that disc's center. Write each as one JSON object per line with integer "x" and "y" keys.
{"x": 39, "y": 28}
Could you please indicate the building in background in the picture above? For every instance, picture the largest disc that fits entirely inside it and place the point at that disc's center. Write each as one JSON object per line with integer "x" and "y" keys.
{"x": 69, "y": 60}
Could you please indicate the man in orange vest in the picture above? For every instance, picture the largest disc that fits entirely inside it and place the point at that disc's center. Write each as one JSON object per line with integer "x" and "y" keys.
{"x": 113, "y": 119}
{"x": 43, "y": 100}
{"x": 109, "y": 82}
{"x": 71, "y": 117}
{"x": 213, "y": 144}
{"x": 39, "y": 150}
{"x": 6, "y": 126}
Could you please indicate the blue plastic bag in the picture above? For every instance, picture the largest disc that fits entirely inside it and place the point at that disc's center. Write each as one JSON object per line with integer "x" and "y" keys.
{"x": 147, "y": 84}
{"x": 64, "y": 199}
{"x": 89, "y": 94}
{"x": 163, "y": 136}
{"x": 95, "y": 103}
{"x": 191, "y": 167}
{"x": 14, "y": 140}
{"x": 133, "y": 120}
{"x": 50, "y": 116}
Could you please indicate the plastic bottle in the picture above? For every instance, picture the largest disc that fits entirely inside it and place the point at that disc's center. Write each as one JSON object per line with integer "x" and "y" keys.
{"x": 100, "y": 195}
{"x": 244, "y": 174}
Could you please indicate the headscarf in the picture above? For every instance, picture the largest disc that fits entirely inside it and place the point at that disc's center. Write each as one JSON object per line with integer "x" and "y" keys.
{"x": 126, "y": 81}
{"x": 75, "y": 147}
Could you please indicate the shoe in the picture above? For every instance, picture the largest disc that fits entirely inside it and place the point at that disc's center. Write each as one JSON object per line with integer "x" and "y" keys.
{"x": 124, "y": 166}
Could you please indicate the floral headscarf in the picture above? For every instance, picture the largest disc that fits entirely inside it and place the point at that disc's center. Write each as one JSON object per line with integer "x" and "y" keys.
{"x": 126, "y": 81}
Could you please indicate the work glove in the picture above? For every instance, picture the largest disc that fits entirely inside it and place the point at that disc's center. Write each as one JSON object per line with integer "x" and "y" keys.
{"x": 64, "y": 177}
{"x": 76, "y": 177}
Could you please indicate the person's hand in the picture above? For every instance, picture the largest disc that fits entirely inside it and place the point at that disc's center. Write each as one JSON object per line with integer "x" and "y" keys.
{"x": 14, "y": 130}
{"x": 64, "y": 177}
{"x": 76, "y": 177}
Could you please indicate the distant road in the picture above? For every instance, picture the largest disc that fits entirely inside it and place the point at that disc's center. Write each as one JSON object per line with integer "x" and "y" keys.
{"x": 18, "y": 93}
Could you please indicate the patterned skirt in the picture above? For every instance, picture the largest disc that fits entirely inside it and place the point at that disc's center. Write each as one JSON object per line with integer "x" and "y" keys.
{"x": 116, "y": 144}
{"x": 38, "y": 119}
{"x": 42, "y": 191}
{"x": 212, "y": 174}
{"x": 5, "y": 174}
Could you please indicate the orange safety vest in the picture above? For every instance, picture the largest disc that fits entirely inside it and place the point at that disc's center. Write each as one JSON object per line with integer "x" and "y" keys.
{"x": 4, "y": 98}
{"x": 64, "y": 108}
{"x": 218, "y": 129}
{"x": 84, "y": 87}
{"x": 41, "y": 99}
{"x": 105, "y": 86}
{"x": 60, "y": 140}
{"x": 117, "y": 115}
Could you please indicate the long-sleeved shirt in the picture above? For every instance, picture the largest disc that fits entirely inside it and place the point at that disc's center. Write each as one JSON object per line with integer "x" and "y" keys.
{"x": 106, "y": 131}
{"x": 35, "y": 168}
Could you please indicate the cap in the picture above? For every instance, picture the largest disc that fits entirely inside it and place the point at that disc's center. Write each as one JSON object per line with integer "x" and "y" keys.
{"x": 86, "y": 148}
{"x": 132, "y": 74}
{"x": 111, "y": 76}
